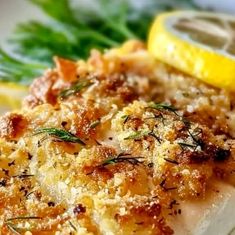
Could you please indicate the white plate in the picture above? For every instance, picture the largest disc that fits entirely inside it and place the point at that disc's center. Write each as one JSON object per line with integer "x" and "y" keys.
{"x": 15, "y": 11}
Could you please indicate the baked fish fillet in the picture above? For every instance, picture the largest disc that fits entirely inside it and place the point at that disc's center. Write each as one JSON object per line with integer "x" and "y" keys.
{"x": 118, "y": 144}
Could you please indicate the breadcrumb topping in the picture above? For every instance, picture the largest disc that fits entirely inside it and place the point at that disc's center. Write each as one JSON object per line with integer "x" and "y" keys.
{"x": 112, "y": 145}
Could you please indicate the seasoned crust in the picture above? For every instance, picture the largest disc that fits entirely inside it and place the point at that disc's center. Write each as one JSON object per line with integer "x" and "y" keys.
{"x": 183, "y": 153}
{"x": 12, "y": 125}
{"x": 41, "y": 90}
{"x": 138, "y": 162}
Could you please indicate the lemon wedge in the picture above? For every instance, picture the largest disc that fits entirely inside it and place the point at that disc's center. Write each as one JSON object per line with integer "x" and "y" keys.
{"x": 11, "y": 96}
{"x": 201, "y": 44}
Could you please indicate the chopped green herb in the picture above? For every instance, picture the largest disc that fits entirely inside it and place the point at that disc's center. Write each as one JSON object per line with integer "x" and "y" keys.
{"x": 163, "y": 185}
{"x": 13, "y": 228}
{"x": 183, "y": 145}
{"x": 30, "y": 193}
{"x": 163, "y": 106}
{"x": 94, "y": 124}
{"x": 73, "y": 226}
{"x": 137, "y": 135}
{"x": 195, "y": 135}
{"x": 22, "y": 176}
{"x": 155, "y": 136}
{"x": 60, "y": 134}
{"x": 126, "y": 118}
{"x": 75, "y": 89}
{"x": 171, "y": 161}
{"x": 24, "y": 218}
{"x": 186, "y": 122}
{"x": 122, "y": 157}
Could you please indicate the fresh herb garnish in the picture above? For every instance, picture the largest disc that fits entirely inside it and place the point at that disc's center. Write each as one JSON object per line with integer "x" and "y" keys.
{"x": 75, "y": 89}
{"x": 187, "y": 145}
{"x": 28, "y": 194}
{"x": 17, "y": 70}
{"x": 60, "y": 134}
{"x": 137, "y": 135}
{"x": 171, "y": 161}
{"x": 22, "y": 176}
{"x": 94, "y": 124}
{"x": 24, "y": 218}
{"x": 163, "y": 185}
{"x": 73, "y": 226}
{"x": 122, "y": 157}
{"x": 159, "y": 140}
{"x": 125, "y": 118}
{"x": 163, "y": 106}
{"x": 195, "y": 135}
{"x": 73, "y": 29}
{"x": 13, "y": 228}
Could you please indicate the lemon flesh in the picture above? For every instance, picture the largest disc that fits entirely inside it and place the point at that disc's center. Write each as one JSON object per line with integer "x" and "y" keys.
{"x": 11, "y": 96}
{"x": 201, "y": 44}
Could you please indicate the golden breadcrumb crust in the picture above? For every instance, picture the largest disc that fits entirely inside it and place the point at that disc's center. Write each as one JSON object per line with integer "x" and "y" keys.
{"x": 126, "y": 140}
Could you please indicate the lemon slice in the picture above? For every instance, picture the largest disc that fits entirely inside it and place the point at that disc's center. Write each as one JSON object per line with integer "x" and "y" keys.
{"x": 201, "y": 44}
{"x": 11, "y": 96}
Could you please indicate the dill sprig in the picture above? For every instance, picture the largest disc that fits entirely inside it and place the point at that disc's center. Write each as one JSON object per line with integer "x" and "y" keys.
{"x": 13, "y": 228}
{"x": 163, "y": 106}
{"x": 23, "y": 176}
{"x": 151, "y": 133}
{"x": 125, "y": 118}
{"x": 196, "y": 140}
{"x": 195, "y": 135}
{"x": 122, "y": 157}
{"x": 72, "y": 226}
{"x": 60, "y": 134}
{"x": 75, "y": 88}
{"x": 163, "y": 185}
{"x": 173, "y": 161}
{"x": 73, "y": 29}
{"x": 137, "y": 135}
{"x": 23, "y": 218}
{"x": 94, "y": 124}
{"x": 187, "y": 145}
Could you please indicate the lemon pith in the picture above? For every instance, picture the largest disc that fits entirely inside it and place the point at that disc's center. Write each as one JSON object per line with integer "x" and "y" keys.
{"x": 202, "y": 62}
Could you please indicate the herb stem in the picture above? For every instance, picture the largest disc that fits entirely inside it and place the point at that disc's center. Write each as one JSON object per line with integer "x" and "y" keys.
{"x": 13, "y": 229}
{"x": 24, "y": 218}
{"x": 60, "y": 134}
